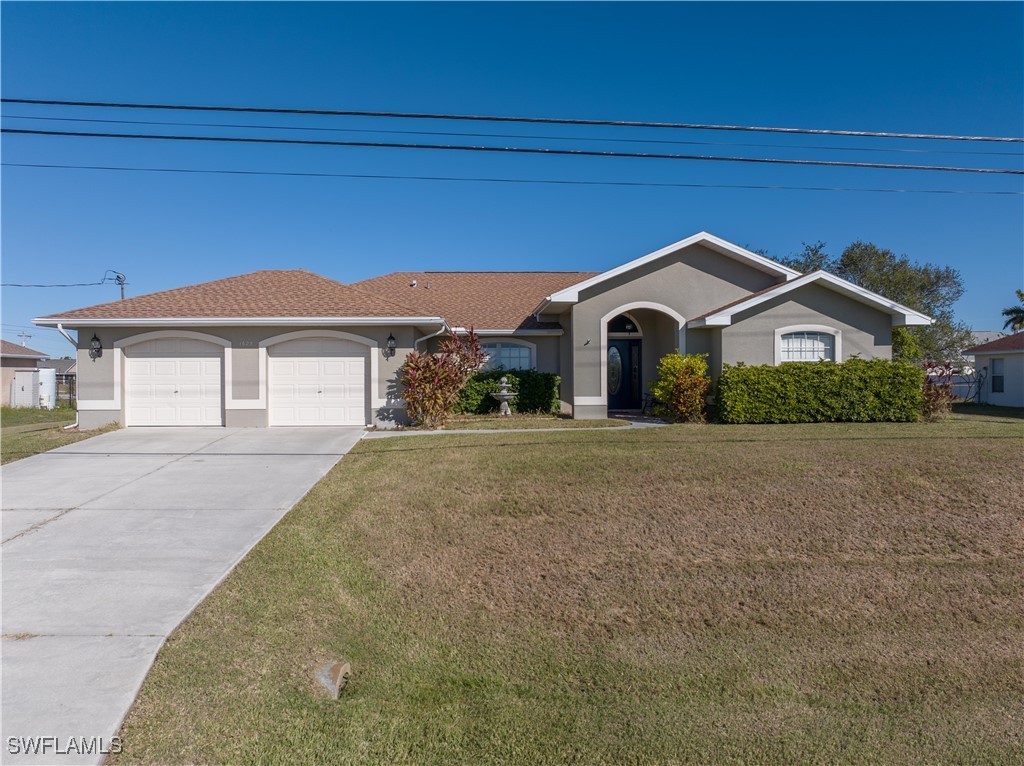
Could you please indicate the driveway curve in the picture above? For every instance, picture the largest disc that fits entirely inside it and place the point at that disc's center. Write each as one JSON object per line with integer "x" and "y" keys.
{"x": 108, "y": 544}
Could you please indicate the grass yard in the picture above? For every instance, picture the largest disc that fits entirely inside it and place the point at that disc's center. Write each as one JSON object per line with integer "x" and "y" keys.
{"x": 693, "y": 594}
{"x": 26, "y": 431}
{"x": 499, "y": 423}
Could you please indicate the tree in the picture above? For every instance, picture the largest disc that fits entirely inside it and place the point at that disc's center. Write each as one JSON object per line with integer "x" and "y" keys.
{"x": 930, "y": 289}
{"x": 1015, "y": 314}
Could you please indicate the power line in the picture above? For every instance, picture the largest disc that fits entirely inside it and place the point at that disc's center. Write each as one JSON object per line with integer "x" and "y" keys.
{"x": 512, "y": 135}
{"x": 494, "y": 118}
{"x": 500, "y": 180}
{"x": 510, "y": 149}
{"x": 117, "y": 279}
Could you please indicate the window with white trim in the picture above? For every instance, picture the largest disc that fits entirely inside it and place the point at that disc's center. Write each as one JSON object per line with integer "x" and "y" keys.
{"x": 807, "y": 347}
{"x": 997, "y": 376}
{"x": 508, "y": 356}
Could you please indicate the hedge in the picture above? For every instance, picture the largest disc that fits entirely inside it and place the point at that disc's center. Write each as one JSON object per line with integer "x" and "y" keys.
{"x": 858, "y": 390}
{"x": 538, "y": 392}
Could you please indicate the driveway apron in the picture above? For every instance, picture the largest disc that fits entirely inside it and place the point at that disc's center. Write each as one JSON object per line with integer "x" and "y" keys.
{"x": 108, "y": 544}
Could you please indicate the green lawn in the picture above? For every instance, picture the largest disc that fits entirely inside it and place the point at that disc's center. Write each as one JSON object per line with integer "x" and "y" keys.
{"x": 692, "y": 594}
{"x": 499, "y": 423}
{"x": 26, "y": 431}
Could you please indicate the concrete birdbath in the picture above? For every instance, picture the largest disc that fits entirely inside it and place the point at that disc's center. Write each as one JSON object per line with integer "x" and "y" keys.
{"x": 504, "y": 396}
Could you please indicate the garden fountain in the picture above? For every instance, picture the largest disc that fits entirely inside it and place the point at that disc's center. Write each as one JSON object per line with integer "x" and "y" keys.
{"x": 504, "y": 396}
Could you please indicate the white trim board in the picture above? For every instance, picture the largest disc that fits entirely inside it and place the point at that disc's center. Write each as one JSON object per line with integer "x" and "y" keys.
{"x": 509, "y": 333}
{"x": 234, "y": 321}
{"x": 902, "y": 316}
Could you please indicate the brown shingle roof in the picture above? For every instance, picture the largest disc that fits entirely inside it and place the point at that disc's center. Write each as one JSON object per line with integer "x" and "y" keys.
{"x": 1013, "y": 342}
{"x": 485, "y": 300}
{"x": 13, "y": 349}
{"x": 294, "y": 293}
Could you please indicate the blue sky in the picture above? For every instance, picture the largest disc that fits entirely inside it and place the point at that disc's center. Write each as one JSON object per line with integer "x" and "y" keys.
{"x": 931, "y": 68}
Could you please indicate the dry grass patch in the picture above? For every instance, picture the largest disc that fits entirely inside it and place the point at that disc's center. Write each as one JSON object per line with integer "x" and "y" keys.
{"x": 692, "y": 594}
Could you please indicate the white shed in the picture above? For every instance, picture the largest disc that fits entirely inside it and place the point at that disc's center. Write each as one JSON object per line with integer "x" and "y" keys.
{"x": 1000, "y": 368}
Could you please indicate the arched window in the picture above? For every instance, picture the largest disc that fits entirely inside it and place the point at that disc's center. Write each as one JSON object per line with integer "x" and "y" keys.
{"x": 807, "y": 346}
{"x": 508, "y": 356}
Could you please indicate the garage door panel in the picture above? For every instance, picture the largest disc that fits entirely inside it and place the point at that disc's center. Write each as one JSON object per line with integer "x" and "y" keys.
{"x": 173, "y": 381}
{"x": 317, "y": 381}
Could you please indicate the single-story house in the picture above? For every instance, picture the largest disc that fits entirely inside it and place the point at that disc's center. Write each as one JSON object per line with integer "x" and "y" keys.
{"x": 999, "y": 365}
{"x": 293, "y": 348}
{"x": 12, "y": 358}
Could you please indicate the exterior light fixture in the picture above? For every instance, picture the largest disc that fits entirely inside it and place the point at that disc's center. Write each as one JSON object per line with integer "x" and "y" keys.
{"x": 95, "y": 348}
{"x": 390, "y": 345}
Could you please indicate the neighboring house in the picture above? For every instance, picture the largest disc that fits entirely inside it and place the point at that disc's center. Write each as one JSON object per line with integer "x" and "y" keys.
{"x": 999, "y": 365}
{"x": 12, "y": 358}
{"x": 65, "y": 368}
{"x": 294, "y": 348}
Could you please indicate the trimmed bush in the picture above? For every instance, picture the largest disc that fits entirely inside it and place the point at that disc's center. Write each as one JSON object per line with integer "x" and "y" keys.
{"x": 859, "y": 390}
{"x": 681, "y": 386}
{"x": 538, "y": 392}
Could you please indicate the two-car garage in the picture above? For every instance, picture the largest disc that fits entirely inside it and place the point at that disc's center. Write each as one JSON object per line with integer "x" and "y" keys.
{"x": 308, "y": 381}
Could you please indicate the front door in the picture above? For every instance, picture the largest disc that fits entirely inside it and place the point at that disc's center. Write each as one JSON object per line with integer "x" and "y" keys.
{"x": 624, "y": 374}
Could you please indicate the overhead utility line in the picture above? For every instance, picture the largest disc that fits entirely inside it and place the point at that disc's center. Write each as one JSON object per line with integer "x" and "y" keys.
{"x": 118, "y": 279}
{"x": 485, "y": 179}
{"x": 886, "y": 149}
{"x": 510, "y": 149}
{"x": 495, "y": 118}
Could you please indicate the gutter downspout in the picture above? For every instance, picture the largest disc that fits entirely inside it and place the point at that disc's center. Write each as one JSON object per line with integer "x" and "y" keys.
{"x": 62, "y": 331}
{"x": 444, "y": 328}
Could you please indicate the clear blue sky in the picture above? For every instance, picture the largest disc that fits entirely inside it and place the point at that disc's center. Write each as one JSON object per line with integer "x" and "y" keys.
{"x": 933, "y": 68}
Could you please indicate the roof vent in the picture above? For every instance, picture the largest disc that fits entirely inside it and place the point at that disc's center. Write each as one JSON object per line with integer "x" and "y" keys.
{"x": 413, "y": 283}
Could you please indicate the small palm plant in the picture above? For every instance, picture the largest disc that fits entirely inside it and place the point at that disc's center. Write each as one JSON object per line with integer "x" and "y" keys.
{"x": 1015, "y": 314}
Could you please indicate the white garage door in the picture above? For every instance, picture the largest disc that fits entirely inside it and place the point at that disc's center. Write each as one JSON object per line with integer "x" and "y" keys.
{"x": 317, "y": 382}
{"x": 173, "y": 382}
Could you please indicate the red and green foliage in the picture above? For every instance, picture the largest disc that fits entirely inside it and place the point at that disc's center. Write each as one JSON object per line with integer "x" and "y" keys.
{"x": 433, "y": 382}
{"x": 681, "y": 387}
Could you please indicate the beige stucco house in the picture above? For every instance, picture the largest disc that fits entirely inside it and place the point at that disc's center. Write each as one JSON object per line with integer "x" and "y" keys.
{"x": 13, "y": 358}
{"x": 294, "y": 348}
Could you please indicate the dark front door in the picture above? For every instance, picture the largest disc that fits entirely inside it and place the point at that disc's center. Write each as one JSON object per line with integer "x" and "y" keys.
{"x": 624, "y": 374}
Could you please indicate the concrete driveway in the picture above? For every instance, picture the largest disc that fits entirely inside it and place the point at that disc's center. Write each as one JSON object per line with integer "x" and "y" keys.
{"x": 108, "y": 544}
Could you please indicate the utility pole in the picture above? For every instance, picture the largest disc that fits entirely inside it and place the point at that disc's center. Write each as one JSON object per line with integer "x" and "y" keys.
{"x": 119, "y": 278}
{"x": 25, "y": 337}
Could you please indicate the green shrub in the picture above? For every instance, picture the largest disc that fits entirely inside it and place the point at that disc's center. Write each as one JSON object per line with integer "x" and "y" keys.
{"x": 858, "y": 390}
{"x": 681, "y": 387}
{"x": 538, "y": 392}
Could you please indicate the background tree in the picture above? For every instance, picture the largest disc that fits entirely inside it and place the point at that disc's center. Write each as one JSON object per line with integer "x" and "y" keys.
{"x": 1015, "y": 315}
{"x": 924, "y": 287}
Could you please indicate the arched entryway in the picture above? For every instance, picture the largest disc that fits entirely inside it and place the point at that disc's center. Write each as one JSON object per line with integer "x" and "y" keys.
{"x": 624, "y": 361}
{"x": 634, "y": 337}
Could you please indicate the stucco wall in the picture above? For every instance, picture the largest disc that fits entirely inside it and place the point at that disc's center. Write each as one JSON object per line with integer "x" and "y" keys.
{"x": 96, "y": 377}
{"x": 691, "y": 282}
{"x": 750, "y": 338}
{"x": 1013, "y": 379}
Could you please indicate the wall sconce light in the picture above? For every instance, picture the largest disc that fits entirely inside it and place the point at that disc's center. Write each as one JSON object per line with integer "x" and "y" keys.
{"x": 390, "y": 345}
{"x": 95, "y": 348}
